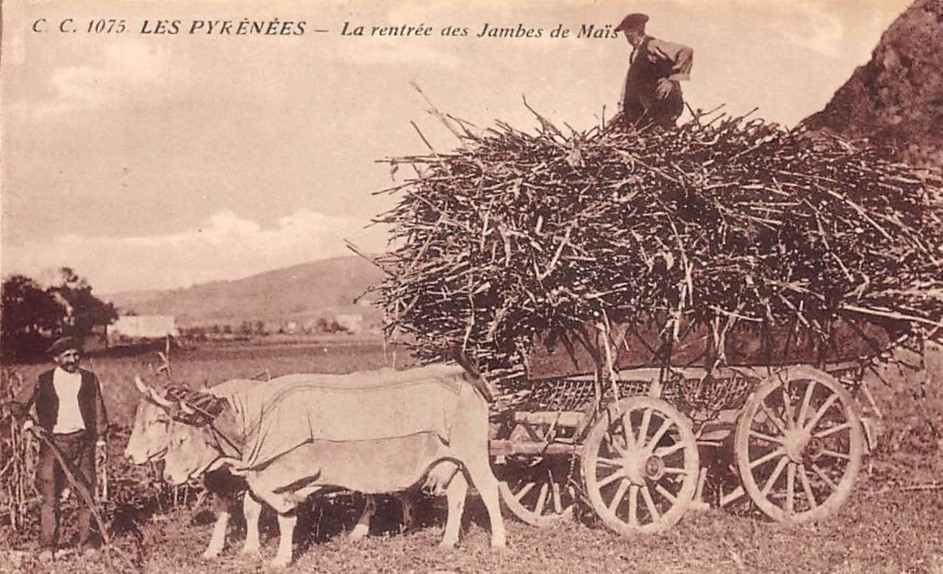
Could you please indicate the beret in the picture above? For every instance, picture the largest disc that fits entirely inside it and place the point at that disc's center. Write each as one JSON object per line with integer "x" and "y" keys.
{"x": 63, "y": 344}
{"x": 633, "y": 21}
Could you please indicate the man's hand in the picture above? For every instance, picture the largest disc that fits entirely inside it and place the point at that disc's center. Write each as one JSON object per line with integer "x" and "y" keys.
{"x": 663, "y": 88}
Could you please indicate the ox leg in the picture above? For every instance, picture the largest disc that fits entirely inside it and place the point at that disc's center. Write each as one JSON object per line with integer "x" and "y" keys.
{"x": 455, "y": 494}
{"x": 362, "y": 528}
{"x": 286, "y": 528}
{"x": 218, "y": 539}
{"x": 407, "y": 503}
{"x": 252, "y": 510}
{"x": 487, "y": 485}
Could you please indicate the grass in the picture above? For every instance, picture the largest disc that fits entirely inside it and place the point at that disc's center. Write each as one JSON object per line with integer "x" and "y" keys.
{"x": 883, "y": 528}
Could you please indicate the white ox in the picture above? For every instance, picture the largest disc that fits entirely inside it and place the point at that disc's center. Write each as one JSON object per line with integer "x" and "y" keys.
{"x": 149, "y": 442}
{"x": 368, "y": 432}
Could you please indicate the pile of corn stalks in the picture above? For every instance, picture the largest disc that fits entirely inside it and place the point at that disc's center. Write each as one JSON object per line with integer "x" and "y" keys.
{"x": 721, "y": 222}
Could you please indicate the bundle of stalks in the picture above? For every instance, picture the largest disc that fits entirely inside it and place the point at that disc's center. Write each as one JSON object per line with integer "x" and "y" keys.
{"x": 18, "y": 456}
{"x": 515, "y": 234}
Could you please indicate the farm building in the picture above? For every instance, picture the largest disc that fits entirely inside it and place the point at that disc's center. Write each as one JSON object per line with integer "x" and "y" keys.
{"x": 142, "y": 327}
{"x": 353, "y": 322}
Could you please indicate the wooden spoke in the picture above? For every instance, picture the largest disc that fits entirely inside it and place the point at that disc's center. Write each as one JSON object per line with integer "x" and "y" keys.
{"x": 665, "y": 425}
{"x": 790, "y": 488}
{"x": 832, "y": 430}
{"x": 664, "y": 492}
{"x": 620, "y": 493}
{"x": 804, "y": 409}
{"x": 807, "y": 486}
{"x": 614, "y": 446}
{"x": 779, "y": 451}
{"x": 675, "y": 471}
{"x": 557, "y": 498}
{"x": 627, "y": 431}
{"x": 643, "y": 428}
{"x": 774, "y": 476}
{"x": 609, "y": 462}
{"x": 821, "y": 412}
{"x": 773, "y": 417}
{"x": 523, "y": 492}
{"x": 669, "y": 450}
{"x": 821, "y": 474}
{"x": 766, "y": 437}
{"x": 633, "y": 505}
{"x": 834, "y": 454}
{"x": 542, "y": 498}
{"x": 650, "y": 503}
{"x": 611, "y": 478}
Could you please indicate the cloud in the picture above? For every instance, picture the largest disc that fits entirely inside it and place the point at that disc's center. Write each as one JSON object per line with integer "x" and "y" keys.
{"x": 226, "y": 247}
{"x": 123, "y": 71}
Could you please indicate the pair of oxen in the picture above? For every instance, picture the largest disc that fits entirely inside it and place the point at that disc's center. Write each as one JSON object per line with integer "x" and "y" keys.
{"x": 290, "y": 437}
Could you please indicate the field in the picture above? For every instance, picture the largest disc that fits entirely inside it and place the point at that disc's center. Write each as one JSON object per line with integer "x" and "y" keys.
{"x": 892, "y": 523}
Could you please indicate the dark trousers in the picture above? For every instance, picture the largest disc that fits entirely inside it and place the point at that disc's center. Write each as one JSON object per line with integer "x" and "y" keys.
{"x": 662, "y": 113}
{"x": 79, "y": 450}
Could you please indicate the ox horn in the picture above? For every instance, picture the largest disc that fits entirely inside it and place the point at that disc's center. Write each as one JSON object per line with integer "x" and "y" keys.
{"x": 140, "y": 385}
{"x": 152, "y": 394}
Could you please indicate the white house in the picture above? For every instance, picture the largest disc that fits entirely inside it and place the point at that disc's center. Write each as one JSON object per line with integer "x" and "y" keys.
{"x": 142, "y": 327}
{"x": 353, "y": 322}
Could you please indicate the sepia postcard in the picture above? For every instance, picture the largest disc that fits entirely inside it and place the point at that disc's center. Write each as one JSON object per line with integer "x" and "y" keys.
{"x": 221, "y": 172}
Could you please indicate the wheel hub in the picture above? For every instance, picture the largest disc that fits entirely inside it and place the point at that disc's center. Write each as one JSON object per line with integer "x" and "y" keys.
{"x": 654, "y": 468}
{"x": 639, "y": 469}
{"x": 815, "y": 448}
{"x": 795, "y": 443}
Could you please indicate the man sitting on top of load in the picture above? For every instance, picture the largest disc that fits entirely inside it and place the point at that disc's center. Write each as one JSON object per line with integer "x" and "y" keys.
{"x": 652, "y": 92}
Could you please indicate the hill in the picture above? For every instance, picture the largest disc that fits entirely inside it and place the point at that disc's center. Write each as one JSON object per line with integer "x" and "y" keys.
{"x": 896, "y": 99}
{"x": 299, "y": 293}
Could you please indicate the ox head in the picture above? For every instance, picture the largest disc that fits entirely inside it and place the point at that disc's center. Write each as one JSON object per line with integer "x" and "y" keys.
{"x": 150, "y": 432}
{"x": 168, "y": 428}
{"x": 190, "y": 453}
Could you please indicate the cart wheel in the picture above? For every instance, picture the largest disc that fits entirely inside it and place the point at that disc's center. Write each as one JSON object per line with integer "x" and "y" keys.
{"x": 645, "y": 483}
{"x": 536, "y": 489}
{"x": 799, "y": 444}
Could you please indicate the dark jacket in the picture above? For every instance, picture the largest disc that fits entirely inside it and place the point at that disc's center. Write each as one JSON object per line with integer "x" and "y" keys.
{"x": 42, "y": 393}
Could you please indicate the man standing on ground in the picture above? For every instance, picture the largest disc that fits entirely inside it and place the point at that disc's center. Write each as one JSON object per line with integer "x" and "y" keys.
{"x": 652, "y": 93}
{"x": 71, "y": 412}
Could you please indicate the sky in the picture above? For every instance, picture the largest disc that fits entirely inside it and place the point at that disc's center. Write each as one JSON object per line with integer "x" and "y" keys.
{"x": 158, "y": 161}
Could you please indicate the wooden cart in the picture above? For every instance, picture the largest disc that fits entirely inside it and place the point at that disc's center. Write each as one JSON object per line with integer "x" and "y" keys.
{"x": 632, "y": 447}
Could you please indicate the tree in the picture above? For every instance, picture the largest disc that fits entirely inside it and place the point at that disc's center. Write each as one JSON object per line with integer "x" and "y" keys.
{"x": 29, "y": 317}
{"x": 84, "y": 311}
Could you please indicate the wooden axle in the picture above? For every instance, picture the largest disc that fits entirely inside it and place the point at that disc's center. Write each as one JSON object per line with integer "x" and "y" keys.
{"x": 513, "y": 447}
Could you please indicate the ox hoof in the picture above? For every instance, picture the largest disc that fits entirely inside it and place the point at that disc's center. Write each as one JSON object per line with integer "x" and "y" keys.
{"x": 210, "y": 554}
{"x": 448, "y": 543}
{"x": 499, "y": 544}
{"x": 358, "y": 533}
{"x": 280, "y": 563}
{"x": 251, "y": 552}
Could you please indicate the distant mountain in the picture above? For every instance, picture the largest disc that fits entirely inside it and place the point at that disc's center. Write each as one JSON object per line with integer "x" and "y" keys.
{"x": 299, "y": 293}
{"x": 896, "y": 99}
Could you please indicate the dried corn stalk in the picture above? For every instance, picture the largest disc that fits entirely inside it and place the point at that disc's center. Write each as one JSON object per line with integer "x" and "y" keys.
{"x": 516, "y": 234}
